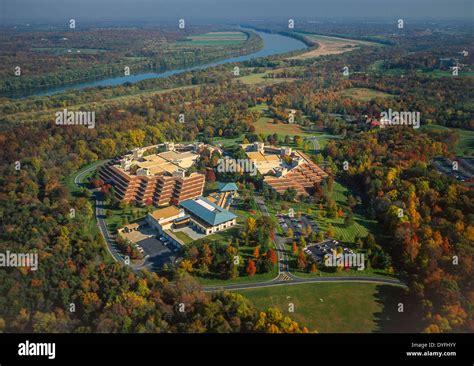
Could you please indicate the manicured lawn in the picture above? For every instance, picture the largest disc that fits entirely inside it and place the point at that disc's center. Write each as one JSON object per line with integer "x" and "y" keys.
{"x": 182, "y": 236}
{"x": 117, "y": 219}
{"x": 345, "y": 307}
{"x": 226, "y": 142}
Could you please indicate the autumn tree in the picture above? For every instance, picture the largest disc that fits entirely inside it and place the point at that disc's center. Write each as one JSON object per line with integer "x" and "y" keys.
{"x": 251, "y": 269}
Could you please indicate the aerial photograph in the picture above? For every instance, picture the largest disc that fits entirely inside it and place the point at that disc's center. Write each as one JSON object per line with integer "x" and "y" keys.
{"x": 293, "y": 174}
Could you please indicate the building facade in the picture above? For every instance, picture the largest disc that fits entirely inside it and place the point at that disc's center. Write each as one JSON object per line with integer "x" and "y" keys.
{"x": 158, "y": 178}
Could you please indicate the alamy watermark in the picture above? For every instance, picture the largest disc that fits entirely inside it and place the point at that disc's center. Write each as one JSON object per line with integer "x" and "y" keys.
{"x": 77, "y": 118}
{"x": 347, "y": 260}
{"x": 398, "y": 118}
{"x": 37, "y": 349}
{"x": 228, "y": 165}
{"x": 9, "y": 259}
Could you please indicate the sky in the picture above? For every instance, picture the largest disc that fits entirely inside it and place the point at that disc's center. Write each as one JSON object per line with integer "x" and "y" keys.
{"x": 225, "y": 10}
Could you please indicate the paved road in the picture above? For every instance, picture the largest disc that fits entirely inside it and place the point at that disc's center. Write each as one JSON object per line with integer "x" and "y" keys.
{"x": 299, "y": 280}
{"x": 100, "y": 213}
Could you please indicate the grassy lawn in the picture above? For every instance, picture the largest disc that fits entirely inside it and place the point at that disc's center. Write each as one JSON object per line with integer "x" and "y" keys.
{"x": 183, "y": 237}
{"x": 261, "y": 79}
{"x": 345, "y": 307}
{"x": 363, "y": 94}
{"x": 226, "y": 142}
{"x": 117, "y": 218}
{"x": 69, "y": 181}
{"x": 265, "y": 126}
{"x": 242, "y": 279}
{"x": 74, "y": 190}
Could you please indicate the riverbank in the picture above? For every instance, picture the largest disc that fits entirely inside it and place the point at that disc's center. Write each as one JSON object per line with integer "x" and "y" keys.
{"x": 273, "y": 44}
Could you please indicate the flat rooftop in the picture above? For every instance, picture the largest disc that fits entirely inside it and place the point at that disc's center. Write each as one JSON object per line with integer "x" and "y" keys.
{"x": 165, "y": 213}
{"x": 161, "y": 163}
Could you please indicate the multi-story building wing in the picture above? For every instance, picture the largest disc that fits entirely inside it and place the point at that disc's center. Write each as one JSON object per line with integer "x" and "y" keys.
{"x": 159, "y": 177}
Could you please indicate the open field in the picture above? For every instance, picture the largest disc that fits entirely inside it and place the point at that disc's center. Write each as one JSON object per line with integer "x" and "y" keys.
{"x": 330, "y": 46}
{"x": 264, "y": 125}
{"x": 262, "y": 79}
{"x": 335, "y": 307}
{"x": 363, "y": 94}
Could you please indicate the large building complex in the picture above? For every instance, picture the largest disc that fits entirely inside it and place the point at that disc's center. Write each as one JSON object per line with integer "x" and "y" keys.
{"x": 285, "y": 168}
{"x": 157, "y": 174}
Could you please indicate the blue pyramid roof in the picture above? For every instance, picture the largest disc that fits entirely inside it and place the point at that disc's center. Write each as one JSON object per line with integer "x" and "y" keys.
{"x": 227, "y": 187}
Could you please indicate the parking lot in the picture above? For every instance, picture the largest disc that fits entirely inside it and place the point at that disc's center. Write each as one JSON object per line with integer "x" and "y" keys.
{"x": 464, "y": 172}
{"x": 318, "y": 251}
{"x": 158, "y": 252}
{"x": 296, "y": 224}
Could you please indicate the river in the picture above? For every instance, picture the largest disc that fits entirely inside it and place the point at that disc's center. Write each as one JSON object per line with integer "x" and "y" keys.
{"x": 274, "y": 44}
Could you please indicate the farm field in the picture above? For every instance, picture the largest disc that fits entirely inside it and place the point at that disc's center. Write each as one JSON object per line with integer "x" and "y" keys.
{"x": 330, "y": 46}
{"x": 334, "y": 307}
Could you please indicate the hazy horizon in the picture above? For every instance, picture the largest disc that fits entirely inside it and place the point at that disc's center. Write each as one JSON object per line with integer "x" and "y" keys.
{"x": 231, "y": 10}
